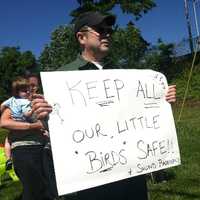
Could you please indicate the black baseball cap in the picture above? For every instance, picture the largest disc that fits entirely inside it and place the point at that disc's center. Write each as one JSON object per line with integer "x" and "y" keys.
{"x": 93, "y": 18}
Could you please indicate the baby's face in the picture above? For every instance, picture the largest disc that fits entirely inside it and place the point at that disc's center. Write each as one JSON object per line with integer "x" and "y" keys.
{"x": 24, "y": 93}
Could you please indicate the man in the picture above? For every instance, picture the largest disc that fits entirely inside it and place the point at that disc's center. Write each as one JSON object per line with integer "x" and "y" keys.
{"x": 93, "y": 31}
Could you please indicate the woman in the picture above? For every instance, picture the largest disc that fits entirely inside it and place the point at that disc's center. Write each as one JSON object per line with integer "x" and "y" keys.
{"x": 27, "y": 148}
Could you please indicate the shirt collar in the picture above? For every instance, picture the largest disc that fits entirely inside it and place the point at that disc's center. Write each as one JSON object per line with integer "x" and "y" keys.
{"x": 83, "y": 64}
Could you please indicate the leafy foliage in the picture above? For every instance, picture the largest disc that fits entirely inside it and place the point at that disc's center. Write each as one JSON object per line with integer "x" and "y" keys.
{"x": 62, "y": 49}
{"x": 160, "y": 58}
{"x": 13, "y": 63}
{"x": 128, "y": 47}
{"x": 136, "y": 7}
{"x": 194, "y": 86}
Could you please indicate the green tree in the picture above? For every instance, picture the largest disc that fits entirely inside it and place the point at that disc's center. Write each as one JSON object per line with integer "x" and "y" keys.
{"x": 128, "y": 47}
{"x": 161, "y": 58}
{"x": 13, "y": 63}
{"x": 136, "y": 7}
{"x": 62, "y": 49}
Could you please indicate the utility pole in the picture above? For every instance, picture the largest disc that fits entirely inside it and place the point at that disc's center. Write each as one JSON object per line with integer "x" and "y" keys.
{"x": 188, "y": 25}
{"x": 195, "y": 17}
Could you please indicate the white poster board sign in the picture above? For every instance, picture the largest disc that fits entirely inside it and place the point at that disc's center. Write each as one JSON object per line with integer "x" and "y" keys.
{"x": 108, "y": 125}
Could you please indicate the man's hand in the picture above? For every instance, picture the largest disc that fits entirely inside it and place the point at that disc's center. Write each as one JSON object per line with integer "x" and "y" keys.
{"x": 171, "y": 94}
{"x": 40, "y": 106}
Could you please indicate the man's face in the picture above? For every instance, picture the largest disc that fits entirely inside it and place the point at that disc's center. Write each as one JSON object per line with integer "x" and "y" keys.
{"x": 97, "y": 39}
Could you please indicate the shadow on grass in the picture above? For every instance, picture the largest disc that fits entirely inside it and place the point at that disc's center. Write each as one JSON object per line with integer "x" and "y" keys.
{"x": 10, "y": 190}
{"x": 18, "y": 198}
{"x": 180, "y": 193}
{"x": 161, "y": 176}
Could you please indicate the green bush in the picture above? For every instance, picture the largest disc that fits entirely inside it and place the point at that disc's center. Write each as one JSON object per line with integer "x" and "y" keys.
{"x": 3, "y": 134}
{"x": 194, "y": 85}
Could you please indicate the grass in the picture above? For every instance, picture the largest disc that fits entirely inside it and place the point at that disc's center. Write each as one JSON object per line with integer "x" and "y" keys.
{"x": 3, "y": 134}
{"x": 9, "y": 190}
{"x": 186, "y": 183}
{"x": 185, "y": 180}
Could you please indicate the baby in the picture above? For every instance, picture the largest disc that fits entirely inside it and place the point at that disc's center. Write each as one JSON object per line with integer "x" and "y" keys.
{"x": 19, "y": 103}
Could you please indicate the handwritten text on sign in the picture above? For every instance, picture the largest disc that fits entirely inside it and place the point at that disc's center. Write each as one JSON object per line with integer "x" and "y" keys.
{"x": 108, "y": 125}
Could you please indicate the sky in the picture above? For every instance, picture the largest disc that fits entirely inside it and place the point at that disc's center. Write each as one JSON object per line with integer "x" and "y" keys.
{"x": 29, "y": 23}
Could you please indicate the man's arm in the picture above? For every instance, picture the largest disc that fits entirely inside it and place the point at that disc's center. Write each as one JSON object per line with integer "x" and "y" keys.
{"x": 8, "y": 123}
{"x": 171, "y": 94}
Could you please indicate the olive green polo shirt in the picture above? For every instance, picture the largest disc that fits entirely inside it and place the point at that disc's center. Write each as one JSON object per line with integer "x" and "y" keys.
{"x": 78, "y": 64}
{"x": 82, "y": 64}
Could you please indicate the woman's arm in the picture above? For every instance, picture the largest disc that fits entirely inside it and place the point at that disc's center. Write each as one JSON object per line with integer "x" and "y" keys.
{"x": 2, "y": 107}
{"x": 8, "y": 123}
{"x": 7, "y": 149}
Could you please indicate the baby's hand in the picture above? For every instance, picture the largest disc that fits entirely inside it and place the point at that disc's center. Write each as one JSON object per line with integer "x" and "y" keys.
{"x": 45, "y": 133}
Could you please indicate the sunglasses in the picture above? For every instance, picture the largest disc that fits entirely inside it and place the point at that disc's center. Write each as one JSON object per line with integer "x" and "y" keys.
{"x": 99, "y": 30}
{"x": 103, "y": 30}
